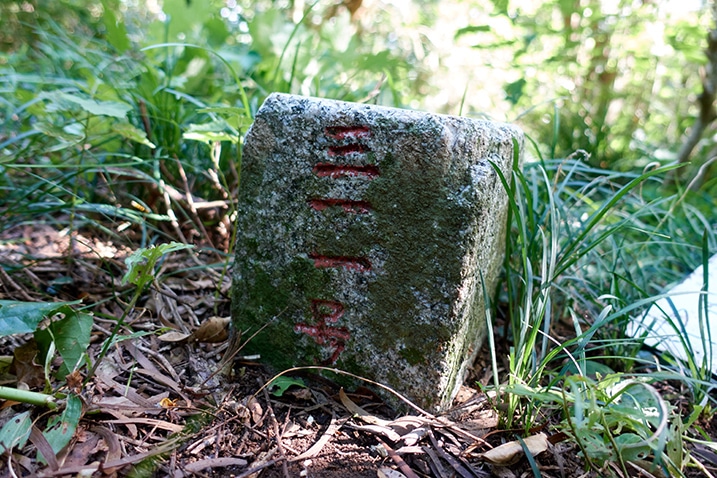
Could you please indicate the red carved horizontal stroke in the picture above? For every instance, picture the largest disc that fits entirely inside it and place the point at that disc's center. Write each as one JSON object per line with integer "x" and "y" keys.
{"x": 353, "y": 207}
{"x": 338, "y": 170}
{"x": 326, "y": 312}
{"x": 347, "y": 149}
{"x": 341, "y": 132}
{"x": 360, "y": 264}
{"x": 324, "y": 334}
{"x": 335, "y": 310}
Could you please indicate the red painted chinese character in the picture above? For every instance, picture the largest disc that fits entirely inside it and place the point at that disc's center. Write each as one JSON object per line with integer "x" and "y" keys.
{"x": 326, "y": 312}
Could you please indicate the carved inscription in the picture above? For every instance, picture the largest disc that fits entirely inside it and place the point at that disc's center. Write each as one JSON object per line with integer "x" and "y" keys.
{"x": 354, "y": 207}
{"x": 325, "y": 312}
{"x": 334, "y": 171}
{"x": 360, "y": 264}
{"x": 343, "y": 132}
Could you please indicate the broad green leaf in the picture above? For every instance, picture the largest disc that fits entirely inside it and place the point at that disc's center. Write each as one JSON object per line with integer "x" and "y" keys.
{"x": 140, "y": 264}
{"x": 282, "y": 383}
{"x": 237, "y": 118}
{"x": 71, "y": 336}
{"x": 15, "y": 431}
{"x": 471, "y": 29}
{"x": 216, "y": 32}
{"x": 61, "y": 429}
{"x": 184, "y": 17}
{"x": 592, "y": 369}
{"x": 61, "y": 101}
{"x": 132, "y": 133}
{"x": 632, "y": 447}
{"x": 57, "y": 132}
{"x": 115, "y": 109}
{"x": 23, "y": 317}
{"x": 210, "y": 132}
{"x": 115, "y": 30}
{"x": 501, "y": 6}
{"x": 514, "y": 90}
{"x": 210, "y": 136}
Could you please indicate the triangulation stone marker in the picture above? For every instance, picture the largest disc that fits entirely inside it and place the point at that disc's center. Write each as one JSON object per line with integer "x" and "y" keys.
{"x": 366, "y": 237}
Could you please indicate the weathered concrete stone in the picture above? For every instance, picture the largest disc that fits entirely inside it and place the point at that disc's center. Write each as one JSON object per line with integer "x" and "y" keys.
{"x": 365, "y": 231}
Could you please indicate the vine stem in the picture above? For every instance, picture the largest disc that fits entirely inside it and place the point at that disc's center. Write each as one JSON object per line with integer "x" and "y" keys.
{"x": 115, "y": 331}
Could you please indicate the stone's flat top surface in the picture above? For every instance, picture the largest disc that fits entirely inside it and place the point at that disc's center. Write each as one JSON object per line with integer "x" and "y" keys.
{"x": 685, "y": 299}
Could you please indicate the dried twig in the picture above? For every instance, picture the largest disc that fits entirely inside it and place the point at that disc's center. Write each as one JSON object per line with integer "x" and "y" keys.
{"x": 277, "y": 433}
{"x": 5, "y": 278}
{"x": 460, "y": 469}
{"x": 402, "y": 465}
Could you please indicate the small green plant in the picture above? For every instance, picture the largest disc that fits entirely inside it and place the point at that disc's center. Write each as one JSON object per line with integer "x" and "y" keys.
{"x": 618, "y": 420}
{"x": 140, "y": 273}
{"x": 68, "y": 334}
{"x": 615, "y": 419}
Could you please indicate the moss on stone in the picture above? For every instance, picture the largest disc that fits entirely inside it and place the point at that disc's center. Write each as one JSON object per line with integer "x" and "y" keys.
{"x": 421, "y": 231}
{"x": 263, "y": 296}
{"x": 412, "y": 355}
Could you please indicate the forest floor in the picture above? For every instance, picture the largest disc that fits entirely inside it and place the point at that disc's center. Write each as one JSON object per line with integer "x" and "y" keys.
{"x": 189, "y": 404}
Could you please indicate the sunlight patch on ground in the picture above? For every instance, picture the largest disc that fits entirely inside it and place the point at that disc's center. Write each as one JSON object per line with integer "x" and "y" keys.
{"x": 43, "y": 242}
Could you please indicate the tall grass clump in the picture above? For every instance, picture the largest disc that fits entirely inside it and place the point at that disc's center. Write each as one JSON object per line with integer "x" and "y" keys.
{"x": 96, "y": 140}
{"x": 589, "y": 249}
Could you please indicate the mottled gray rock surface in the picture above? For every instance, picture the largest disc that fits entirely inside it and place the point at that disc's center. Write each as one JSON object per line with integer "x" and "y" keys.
{"x": 364, "y": 231}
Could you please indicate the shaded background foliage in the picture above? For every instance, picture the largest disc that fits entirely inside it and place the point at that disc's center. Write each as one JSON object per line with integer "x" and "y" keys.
{"x": 182, "y": 79}
{"x": 618, "y": 79}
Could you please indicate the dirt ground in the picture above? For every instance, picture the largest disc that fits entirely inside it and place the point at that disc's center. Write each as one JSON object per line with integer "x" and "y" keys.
{"x": 188, "y": 404}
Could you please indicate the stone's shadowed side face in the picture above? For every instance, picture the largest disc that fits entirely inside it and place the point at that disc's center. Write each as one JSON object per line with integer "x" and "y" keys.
{"x": 368, "y": 230}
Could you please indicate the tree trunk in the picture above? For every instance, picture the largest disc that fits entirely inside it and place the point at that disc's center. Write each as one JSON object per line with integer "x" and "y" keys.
{"x": 706, "y": 102}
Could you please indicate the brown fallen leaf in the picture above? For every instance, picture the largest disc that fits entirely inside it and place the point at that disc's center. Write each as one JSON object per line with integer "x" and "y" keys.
{"x": 408, "y": 423}
{"x": 44, "y": 447}
{"x": 316, "y": 448}
{"x": 114, "y": 449}
{"x": 211, "y": 463}
{"x": 164, "y": 425}
{"x": 24, "y": 366}
{"x": 212, "y": 330}
{"x": 386, "y": 472}
{"x": 509, "y": 453}
{"x": 379, "y": 430}
{"x": 360, "y": 412}
{"x": 255, "y": 409}
{"x": 174, "y": 336}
